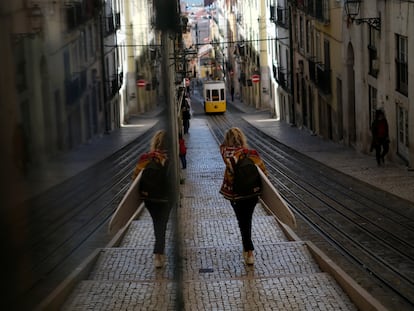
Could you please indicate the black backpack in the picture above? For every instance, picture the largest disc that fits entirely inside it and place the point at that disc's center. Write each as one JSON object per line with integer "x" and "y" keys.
{"x": 247, "y": 182}
{"x": 153, "y": 184}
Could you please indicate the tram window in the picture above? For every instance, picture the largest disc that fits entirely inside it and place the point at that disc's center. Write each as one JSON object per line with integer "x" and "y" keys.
{"x": 222, "y": 94}
{"x": 208, "y": 95}
{"x": 216, "y": 95}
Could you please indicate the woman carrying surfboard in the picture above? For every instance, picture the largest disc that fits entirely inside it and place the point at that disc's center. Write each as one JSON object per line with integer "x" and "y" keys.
{"x": 234, "y": 150}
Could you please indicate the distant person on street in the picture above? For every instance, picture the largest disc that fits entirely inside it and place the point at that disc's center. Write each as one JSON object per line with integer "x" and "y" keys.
{"x": 232, "y": 93}
{"x": 159, "y": 209}
{"x": 232, "y": 150}
{"x": 186, "y": 113}
{"x": 380, "y": 138}
{"x": 182, "y": 151}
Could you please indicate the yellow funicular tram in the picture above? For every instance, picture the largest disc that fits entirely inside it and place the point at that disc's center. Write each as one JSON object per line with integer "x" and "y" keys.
{"x": 214, "y": 93}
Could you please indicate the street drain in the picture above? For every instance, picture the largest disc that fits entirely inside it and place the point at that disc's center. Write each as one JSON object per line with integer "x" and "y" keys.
{"x": 206, "y": 270}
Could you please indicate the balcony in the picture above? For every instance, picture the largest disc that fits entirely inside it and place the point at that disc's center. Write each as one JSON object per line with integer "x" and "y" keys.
{"x": 77, "y": 13}
{"x": 282, "y": 17}
{"x": 272, "y": 14}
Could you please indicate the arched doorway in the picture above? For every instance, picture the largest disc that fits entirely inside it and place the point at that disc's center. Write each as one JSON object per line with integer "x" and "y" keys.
{"x": 350, "y": 62}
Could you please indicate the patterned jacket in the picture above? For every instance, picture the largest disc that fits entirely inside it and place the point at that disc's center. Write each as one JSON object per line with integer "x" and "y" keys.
{"x": 145, "y": 158}
{"x": 230, "y": 157}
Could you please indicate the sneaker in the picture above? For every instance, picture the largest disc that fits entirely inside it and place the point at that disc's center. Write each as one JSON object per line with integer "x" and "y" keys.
{"x": 158, "y": 261}
{"x": 248, "y": 257}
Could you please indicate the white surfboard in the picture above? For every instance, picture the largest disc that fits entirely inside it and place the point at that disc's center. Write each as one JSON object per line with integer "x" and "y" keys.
{"x": 127, "y": 207}
{"x": 272, "y": 199}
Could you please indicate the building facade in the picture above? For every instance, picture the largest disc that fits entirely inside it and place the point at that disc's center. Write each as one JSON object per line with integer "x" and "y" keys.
{"x": 140, "y": 57}
{"x": 378, "y": 75}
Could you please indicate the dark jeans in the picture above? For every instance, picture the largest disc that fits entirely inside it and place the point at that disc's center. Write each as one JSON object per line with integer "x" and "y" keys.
{"x": 244, "y": 212}
{"x": 186, "y": 125}
{"x": 381, "y": 149}
{"x": 183, "y": 159}
{"x": 160, "y": 212}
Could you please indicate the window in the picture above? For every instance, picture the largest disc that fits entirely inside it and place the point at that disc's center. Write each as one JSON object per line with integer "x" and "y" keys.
{"x": 83, "y": 46}
{"x": 21, "y": 67}
{"x": 74, "y": 57}
{"x": 402, "y": 132}
{"x": 215, "y": 95}
{"x": 90, "y": 42}
{"x": 318, "y": 46}
{"x": 308, "y": 36}
{"x": 401, "y": 65}
{"x": 372, "y": 52}
{"x": 403, "y": 126}
{"x": 301, "y": 32}
{"x": 322, "y": 10}
{"x": 326, "y": 54}
{"x": 372, "y": 102}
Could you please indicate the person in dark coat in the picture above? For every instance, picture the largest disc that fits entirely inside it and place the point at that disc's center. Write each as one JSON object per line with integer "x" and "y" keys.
{"x": 380, "y": 138}
{"x": 159, "y": 211}
{"x": 186, "y": 113}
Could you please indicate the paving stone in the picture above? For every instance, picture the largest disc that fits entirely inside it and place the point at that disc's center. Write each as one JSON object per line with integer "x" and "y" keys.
{"x": 222, "y": 232}
{"x": 210, "y": 264}
{"x": 128, "y": 264}
{"x": 94, "y": 295}
{"x": 308, "y": 292}
{"x": 272, "y": 260}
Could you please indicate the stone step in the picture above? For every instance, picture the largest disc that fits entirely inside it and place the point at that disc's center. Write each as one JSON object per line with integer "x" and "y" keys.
{"x": 316, "y": 291}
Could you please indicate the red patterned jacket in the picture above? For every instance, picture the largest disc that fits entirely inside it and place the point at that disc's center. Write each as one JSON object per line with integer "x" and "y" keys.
{"x": 145, "y": 158}
{"x": 230, "y": 157}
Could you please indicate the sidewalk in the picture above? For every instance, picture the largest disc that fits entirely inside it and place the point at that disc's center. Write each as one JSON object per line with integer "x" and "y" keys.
{"x": 393, "y": 178}
{"x": 68, "y": 164}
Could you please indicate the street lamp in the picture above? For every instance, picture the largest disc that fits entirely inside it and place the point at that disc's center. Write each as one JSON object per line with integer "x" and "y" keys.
{"x": 352, "y": 10}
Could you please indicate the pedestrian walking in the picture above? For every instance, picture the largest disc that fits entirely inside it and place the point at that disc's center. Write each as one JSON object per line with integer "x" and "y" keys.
{"x": 182, "y": 151}
{"x": 380, "y": 136}
{"x": 155, "y": 164}
{"x": 232, "y": 93}
{"x": 186, "y": 113}
{"x": 232, "y": 150}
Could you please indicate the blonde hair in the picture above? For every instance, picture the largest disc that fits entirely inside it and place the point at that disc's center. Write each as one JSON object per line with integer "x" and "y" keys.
{"x": 158, "y": 141}
{"x": 235, "y": 138}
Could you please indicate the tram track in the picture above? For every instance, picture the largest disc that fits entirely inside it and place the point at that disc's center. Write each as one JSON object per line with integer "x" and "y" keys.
{"x": 360, "y": 222}
{"x": 67, "y": 222}
{"x": 370, "y": 227}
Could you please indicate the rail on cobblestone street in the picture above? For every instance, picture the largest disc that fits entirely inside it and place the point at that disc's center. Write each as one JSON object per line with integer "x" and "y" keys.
{"x": 288, "y": 274}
